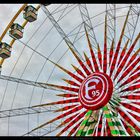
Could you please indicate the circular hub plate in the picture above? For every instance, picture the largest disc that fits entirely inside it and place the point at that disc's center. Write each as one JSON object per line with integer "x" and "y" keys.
{"x": 95, "y": 91}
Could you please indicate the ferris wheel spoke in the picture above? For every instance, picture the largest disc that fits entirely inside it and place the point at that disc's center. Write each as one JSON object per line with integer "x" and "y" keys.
{"x": 131, "y": 106}
{"x": 74, "y": 129}
{"x": 123, "y": 62}
{"x": 116, "y": 53}
{"x": 111, "y": 52}
{"x": 105, "y": 47}
{"x": 69, "y": 112}
{"x": 80, "y": 62}
{"x": 67, "y": 95}
{"x": 37, "y": 84}
{"x": 131, "y": 88}
{"x": 95, "y": 132}
{"x": 132, "y": 58}
{"x": 130, "y": 79}
{"x": 57, "y": 118}
{"x": 100, "y": 57}
{"x": 131, "y": 24}
{"x": 138, "y": 81}
{"x": 67, "y": 120}
{"x": 129, "y": 69}
{"x": 74, "y": 120}
{"x": 43, "y": 131}
{"x": 129, "y": 91}
{"x": 134, "y": 114}
{"x": 71, "y": 82}
{"x": 104, "y": 130}
{"x": 69, "y": 73}
{"x": 78, "y": 71}
{"x": 132, "y": 8}
{"x": 136, "y": 70}
{"x": 65, "y": 108}
{"x": 123, "y": 52}
{"x": 99, "y": 126}
{"x": 130, "y": 130}
{"x": 63, "y": 69}
{"x": 74, "y": 100}
{"x": 88, "y": 62}
{"x": 66, "y": 88}
{"x": 131, "y": 120}
{"x": 96, "y": 67}
{"x": 132, "y": 96}
{"x": 135, "y": 103}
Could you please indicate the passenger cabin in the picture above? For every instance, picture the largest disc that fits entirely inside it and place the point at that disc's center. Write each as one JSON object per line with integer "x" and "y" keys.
{"x": 16, "y": 31}
{"x": 5, "y": 50}
{"x": 30, "y": 13}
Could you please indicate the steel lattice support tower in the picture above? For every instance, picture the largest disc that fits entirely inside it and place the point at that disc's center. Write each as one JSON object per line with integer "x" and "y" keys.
{"x": 132, "y": 22}
{"x": 88, "y": 24}
{"x": 28, "y": 82}
{"x": 25, "y": 111}
{"x": 111, "y": 23}
{"x": 60, "y": 31}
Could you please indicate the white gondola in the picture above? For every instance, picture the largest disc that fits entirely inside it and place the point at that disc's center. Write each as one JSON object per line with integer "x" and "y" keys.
{"x": 30, "y": 13}
{"x": 16, "y": 31}
{"x": 5, "y": 50}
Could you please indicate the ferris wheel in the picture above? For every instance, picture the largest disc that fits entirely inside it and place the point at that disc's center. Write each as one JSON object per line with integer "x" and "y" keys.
{"x": 71, "y": 70}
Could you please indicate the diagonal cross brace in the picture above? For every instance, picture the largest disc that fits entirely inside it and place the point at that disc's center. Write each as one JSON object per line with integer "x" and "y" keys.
{"x": 60, "y": 31}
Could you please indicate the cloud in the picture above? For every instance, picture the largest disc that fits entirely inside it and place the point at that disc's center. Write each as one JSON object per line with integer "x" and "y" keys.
{"x": 31, "y": 63}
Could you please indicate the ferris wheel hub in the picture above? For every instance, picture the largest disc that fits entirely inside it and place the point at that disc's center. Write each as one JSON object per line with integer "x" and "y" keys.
{"x": 96, "y": 91}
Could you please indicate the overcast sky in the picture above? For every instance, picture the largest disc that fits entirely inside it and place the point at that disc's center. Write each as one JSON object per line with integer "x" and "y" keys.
{"x": 26, "y": 64}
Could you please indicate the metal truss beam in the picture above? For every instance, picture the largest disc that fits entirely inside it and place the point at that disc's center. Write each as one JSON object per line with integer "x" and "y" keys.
{"x": 25, "y": 111}
{"x": 88, "y": 24}
{"x": 60, "y": 31}
{"x": 132, "y": 22}
{"x": 28, "y": 82}
{"x": 111, "y": 23}
{"x": 130, "y": 26}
